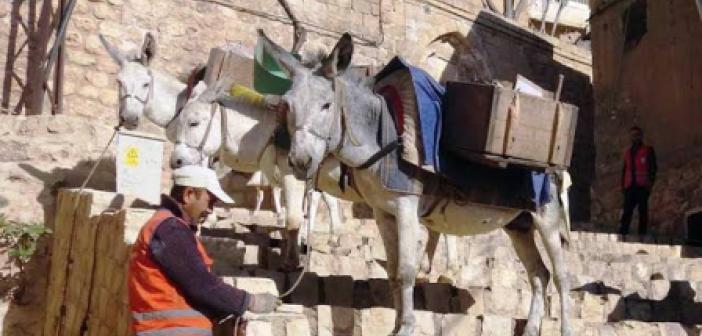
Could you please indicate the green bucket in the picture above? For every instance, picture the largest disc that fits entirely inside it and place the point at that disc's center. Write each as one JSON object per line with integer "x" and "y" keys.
{"x": 268, "y": 77}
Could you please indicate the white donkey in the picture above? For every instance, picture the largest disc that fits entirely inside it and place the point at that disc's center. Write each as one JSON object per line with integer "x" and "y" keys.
{"x": 237, "y": 126}
{"x": 157, "y": 96}
{"x": 336, "y": 114}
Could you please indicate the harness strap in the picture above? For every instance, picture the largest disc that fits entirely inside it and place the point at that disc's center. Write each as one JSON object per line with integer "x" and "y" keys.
{"x": 387, "y": 149}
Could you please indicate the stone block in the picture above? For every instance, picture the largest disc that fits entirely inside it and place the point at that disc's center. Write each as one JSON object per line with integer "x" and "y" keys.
{"x": 377, "y": 321}
{"x": 426, "y": 323}
{"x": 638, "y": 309}
{"x": 501, "y": 301}
{"x": 253, "y": 285}
{"x": 307, "y": 292}
{"x": 471, "y": 301}
{"x": 335, "y": 320}
{"x": 338, "y": 290}
{"x": 297, "y": 327}
{"x": 593, "y": 308}
{"x": 459, "y": 325}
{"x": 636, "y": 328}
{"x": 494, "y": 325}
{"x": 674, "y": 329}
{"x": 615, "y": 308}
{"x": 252, "y": 255}
{"x": 380, "y": 292}
{"x": 437, "y": 297}
{"x": 259, "y": 328}
{"x": 504, "y": 275}
{"x": 277, "y": 277}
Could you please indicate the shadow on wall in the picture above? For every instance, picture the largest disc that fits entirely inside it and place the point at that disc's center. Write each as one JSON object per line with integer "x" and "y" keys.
{"x": 103, "y": 179}
{"x": 678, "y": 306}
{"x": 508, "y": 54}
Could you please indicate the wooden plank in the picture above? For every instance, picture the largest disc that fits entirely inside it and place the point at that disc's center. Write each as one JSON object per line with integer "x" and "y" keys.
{"x": 232, "y": 62}
{"x": 524, "y": 129}
{"x": 68, "y": 207}
{"x": 82, "y": 256}
{"x": 564, "y": 138}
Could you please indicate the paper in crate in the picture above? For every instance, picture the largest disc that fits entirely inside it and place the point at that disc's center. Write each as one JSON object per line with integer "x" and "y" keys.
{"x": 139, "y": 164}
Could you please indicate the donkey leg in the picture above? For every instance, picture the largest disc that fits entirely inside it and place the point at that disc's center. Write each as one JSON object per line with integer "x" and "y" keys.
{"x": 334, "y": 217}
{"x": 426, "y": 264}
{"x": 548, "y": 226}
{"x": 388, "y": 233}
{"x": 312, "y": 202}
{"x": 279, "y": 209}
{"x": 294, "y": 195}
{"x": 524, "y": 245}
{"x": 407, "y": 229}
{"x": 259, "y": 201}
{"x": 452, "y": 265}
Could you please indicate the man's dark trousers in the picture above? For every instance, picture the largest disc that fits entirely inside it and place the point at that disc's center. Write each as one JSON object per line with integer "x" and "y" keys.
{"x": 635, "y": 196}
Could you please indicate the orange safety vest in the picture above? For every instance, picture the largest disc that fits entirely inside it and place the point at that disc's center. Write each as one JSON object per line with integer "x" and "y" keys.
{"x": 640, "y": 167}
{"x": 157, "y": 306}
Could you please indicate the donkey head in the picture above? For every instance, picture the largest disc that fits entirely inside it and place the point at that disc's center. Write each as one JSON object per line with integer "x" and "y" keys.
{"x": 134, "y": 78}
{"x": 199, "y": 126}
{"x": 311, "y": 117}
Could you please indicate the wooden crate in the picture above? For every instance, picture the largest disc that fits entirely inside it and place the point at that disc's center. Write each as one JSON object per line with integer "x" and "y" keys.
{"x": 489, "y": 123}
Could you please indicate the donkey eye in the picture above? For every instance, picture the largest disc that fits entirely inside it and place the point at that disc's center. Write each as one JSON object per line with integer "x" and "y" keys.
{"x": 326, "y": 106}
{"x": 194, "y": 123}
{"x": 145, "y": 85}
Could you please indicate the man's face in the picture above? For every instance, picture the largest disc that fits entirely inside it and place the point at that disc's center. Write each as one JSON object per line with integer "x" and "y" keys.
{"x": 636, "y": 137}
{"x": 198, "y": 204}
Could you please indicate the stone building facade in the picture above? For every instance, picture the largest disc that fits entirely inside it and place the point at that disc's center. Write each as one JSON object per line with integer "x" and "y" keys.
{"x": 647, "y": 72}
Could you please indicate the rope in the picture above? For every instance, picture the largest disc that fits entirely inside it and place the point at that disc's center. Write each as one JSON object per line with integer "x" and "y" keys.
{"x": 97, "y": 163}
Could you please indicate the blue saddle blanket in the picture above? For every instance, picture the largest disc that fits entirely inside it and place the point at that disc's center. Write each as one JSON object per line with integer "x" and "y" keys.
{"x": 414, "y": 101}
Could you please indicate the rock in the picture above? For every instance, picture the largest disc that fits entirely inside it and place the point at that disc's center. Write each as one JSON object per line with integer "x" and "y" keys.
{"x": 297, "y": 327}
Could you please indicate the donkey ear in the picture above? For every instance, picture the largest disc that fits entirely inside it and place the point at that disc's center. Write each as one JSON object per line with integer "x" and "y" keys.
{"x": 340, "y": 57}
{"x": 286, "y": 60}
{"x": 197, "y": 90}
{"x": 148, "y": 49}
{"x": 116, "y": 55}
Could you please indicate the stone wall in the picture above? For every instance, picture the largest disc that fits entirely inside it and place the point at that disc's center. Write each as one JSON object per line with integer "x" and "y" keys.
{"x": 186, "y": 30}
{"x": 654, "y": 83}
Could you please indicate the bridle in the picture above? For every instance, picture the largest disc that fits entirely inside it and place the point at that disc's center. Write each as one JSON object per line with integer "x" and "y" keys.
{"x": 149, "y": 93}
{"x": 341, "y": 119}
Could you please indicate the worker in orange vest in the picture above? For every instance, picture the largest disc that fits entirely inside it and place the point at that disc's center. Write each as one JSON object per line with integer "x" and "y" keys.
{"x": 638, "y": 177}
{"x": 172, "y": 290}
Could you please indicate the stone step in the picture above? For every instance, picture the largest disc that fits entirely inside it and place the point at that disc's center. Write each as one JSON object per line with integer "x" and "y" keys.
{"x": 287, "y": 320}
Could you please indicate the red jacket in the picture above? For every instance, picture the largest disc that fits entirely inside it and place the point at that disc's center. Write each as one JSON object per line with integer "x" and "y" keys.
{"x": 639, "y": 167}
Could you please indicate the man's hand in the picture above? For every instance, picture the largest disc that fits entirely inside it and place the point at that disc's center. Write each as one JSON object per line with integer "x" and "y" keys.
{"x": 262, "y": 303}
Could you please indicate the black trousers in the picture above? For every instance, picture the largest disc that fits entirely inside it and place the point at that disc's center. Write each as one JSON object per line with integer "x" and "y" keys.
{"x": 635, "y": 197}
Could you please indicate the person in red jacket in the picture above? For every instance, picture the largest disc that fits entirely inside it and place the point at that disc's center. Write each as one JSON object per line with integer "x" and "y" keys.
{"x": 172, "y": 290}
{"x": 638, "y": 177}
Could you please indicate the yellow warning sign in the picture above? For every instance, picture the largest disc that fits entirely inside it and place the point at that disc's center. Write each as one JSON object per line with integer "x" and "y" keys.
{"x": 131, "y": 156}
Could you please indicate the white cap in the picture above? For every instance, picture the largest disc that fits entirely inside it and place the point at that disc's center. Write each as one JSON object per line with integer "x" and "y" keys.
{"x": 201, "y": 177}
